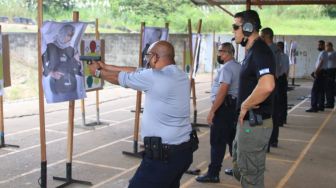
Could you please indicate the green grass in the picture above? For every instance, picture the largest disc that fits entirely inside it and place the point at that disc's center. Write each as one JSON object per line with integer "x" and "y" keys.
{"x": 323, "y": 26}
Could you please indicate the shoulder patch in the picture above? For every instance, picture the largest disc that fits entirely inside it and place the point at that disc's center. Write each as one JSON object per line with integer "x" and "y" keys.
{"x": 264, "y": 71}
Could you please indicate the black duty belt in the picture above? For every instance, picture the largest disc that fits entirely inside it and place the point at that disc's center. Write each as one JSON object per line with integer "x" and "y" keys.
{"x": 154, "y": 149}
{"x": 179, "y": 147}
{"x": 230, "y": 101}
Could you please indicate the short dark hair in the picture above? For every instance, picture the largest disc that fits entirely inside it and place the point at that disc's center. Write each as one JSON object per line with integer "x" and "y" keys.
{"x": 330, "y": 44}
{"x": 228, "y": 46}
{"x": 321, "y": 42}
{"x": 250, "y": 16}
{"x": 281, "y": 45}
{"x": 268, "y": 31}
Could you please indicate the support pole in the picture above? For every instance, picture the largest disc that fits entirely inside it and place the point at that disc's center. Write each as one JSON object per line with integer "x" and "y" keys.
{"x": 135, "y": 152}
{"x": 83, "y": 112}
{"x": 43, "y": 178}
{"x": 248, "y": 4}
{"x": 2, "y": 125}
{"x": 192, "y": 80}
{"x": 184, "y": 56}
{"x": 98, "y": 122}
{"x": 68, "y": 179}
{"x": 97, "y": 91}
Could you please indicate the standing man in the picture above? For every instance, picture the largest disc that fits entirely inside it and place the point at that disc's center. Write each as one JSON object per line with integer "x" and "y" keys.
{"x": 331, "y": 72}
{"x": 280, "y": 97}
{"x": 222, "y": 115}
{"x": 318, "y": 90}
{"x": 166, "y": 128}
{"x": 256, "y": 84}
{"x": 283, "y": 82}
{"x": 267, "y": 35}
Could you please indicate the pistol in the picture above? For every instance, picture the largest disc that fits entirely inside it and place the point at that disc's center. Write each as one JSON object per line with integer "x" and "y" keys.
{"x": 89, "y": 59}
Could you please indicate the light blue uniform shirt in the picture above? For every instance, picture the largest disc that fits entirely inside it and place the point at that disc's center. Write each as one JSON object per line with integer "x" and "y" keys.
{"x": 167, "y": 102}
{"x": 323, "y": 55}
{"x": 331, "y": 60}
{"x": 229, "y": 74}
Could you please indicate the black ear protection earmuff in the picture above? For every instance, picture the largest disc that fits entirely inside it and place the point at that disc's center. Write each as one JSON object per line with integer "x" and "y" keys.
{"x": 248, "y": 28}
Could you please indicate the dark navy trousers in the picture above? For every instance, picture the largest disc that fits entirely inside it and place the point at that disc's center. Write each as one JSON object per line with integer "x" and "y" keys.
{"x": 318, "y": 91}
{"x": 162, "y": 174}
{"x": 330, "y": 87}
{"x": 222, "y": 133}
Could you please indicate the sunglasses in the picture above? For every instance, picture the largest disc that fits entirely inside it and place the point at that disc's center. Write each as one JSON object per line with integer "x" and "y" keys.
{"x": 224, "y": 51}
{"x": 235, "y": 26}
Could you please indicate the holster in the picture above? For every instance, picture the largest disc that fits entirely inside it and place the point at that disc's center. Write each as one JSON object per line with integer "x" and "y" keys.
{"x": 194, "y": 140}
{"x": 229, "y": 101}
{"x": 254, "y": 118}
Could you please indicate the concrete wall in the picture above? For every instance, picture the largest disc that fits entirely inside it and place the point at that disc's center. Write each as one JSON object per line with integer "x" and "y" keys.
{"x": 123, "y": 49}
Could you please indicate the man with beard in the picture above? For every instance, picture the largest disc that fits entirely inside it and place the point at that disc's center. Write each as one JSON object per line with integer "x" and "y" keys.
{"x": 222, "y": 115}
{"x": 318, "y": 90}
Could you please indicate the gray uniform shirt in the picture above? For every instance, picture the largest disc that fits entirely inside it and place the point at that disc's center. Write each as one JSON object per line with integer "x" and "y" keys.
{"x": 229, "y": 74}
{"x": 167, "y": 102}
{"x": 284, "y": 64}
{"x": 331, "y": 60}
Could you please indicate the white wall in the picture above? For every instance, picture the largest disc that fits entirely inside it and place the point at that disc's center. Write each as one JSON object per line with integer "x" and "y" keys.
{"x": 123, "y": 49}
{"x": 306, "y": 56}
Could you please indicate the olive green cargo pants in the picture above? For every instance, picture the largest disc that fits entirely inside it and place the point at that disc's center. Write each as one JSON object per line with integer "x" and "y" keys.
{"x": 249, "y": 153}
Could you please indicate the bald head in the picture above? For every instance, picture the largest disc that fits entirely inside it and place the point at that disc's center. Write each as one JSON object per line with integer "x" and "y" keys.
{"x": 163, "y": 49}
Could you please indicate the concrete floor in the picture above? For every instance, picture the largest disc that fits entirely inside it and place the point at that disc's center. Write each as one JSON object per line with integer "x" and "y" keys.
{"x": 305, "y": 156}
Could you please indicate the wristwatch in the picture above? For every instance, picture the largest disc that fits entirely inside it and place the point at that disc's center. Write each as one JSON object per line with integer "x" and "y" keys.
{"x": 98, "y": 73}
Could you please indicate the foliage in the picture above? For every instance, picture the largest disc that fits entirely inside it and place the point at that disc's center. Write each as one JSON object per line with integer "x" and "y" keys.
{"x": 52, "y": 6}
{"x": 126, "y": 15}
{"x": 330, "y": 10}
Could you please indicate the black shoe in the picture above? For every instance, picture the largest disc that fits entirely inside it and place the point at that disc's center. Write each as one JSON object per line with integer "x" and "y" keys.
{"x": 274, "y": 145}
{"x": 312, "y": 110}
{"x": 329, "y": 106}
{"x": 207, "y": 179}
{"x": 321, "y": 109}
{"x": 228, "y": 171}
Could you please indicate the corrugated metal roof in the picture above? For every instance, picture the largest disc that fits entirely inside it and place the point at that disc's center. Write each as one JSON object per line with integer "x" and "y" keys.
{"x": 266, "y": 2}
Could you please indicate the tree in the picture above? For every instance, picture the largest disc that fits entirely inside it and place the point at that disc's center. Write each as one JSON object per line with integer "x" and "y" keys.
{"x": 52, "y": 6}
{"x": 330, "y": 10}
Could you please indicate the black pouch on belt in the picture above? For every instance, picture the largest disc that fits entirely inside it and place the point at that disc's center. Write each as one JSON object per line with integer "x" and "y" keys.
{"x": 153, "y": 147}
{"x": 255, "y": 119}
{"x": 156, "y": 146}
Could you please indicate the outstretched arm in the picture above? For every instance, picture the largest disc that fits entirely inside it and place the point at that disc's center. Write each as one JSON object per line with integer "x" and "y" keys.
{"x": 109, "y": 73}
{"x": 115, "y": 68}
